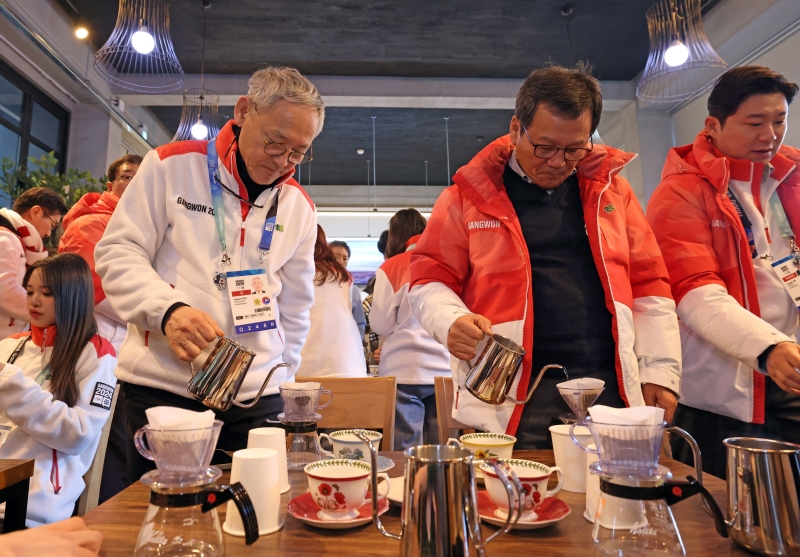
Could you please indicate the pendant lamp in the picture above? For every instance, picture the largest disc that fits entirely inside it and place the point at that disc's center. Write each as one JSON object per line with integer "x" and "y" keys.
{"x": 139, "y": 55}
{"x": 199, "y": 115}
{"x": 682, "y": 63}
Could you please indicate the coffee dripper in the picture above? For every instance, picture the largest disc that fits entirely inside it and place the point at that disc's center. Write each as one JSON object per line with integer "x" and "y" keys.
{"x": 182, "y": 518}
{"x": 579, "y": 394}
{"x": 299, "y": 419}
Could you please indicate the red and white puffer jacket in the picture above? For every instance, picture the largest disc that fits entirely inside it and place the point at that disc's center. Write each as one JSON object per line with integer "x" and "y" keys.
{"x": 472, "y": 258}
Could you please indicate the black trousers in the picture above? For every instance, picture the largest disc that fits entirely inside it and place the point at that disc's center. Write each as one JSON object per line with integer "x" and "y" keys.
{"x": 547, "y": 404}
{"x": 237, "y": 421}
{"x": 782, "y": 422}
{"x": 115, "y": 467}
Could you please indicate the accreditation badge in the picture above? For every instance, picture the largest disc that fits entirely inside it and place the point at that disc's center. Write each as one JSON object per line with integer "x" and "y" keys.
{"x": 789, "y": 274}
{"x": 251, "y": 306}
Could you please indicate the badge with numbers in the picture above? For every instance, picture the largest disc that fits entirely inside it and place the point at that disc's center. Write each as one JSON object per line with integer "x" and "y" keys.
{"x": 251, "y": 304}
{"x": 787, "y": 270}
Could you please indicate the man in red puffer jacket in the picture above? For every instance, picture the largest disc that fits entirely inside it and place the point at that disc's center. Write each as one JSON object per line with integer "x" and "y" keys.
{"x": 723, "y": 216}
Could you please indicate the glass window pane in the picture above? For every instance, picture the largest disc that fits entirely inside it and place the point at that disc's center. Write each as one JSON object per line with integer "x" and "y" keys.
{"x": 9, "y": 145}
{"x": 10, "y": 101}
{"x": 35, "y": 152}
{"x": 46, "y": 127}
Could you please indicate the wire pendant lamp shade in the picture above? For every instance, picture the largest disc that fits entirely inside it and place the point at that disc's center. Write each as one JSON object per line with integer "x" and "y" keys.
{"x": 139, "y": 55}
{"x": 200, "y": 108}
{"x": 682, "y": 63}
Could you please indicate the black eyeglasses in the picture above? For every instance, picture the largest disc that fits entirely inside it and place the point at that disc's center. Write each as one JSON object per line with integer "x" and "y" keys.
{"x": 275, "y": 149}
{"x": 549, "y": 151}
{"x": 54, "y": 225}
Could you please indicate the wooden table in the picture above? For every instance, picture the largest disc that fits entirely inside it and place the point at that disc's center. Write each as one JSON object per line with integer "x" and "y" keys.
{"x": 15, "y": 480}
{"x": 120, "y": 519}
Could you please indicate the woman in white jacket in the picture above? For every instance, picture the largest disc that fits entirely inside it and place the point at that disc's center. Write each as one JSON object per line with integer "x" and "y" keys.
{"x": 56, "y": 384}
{"x": 333, "y": 347}
{"x": 408, "y": 353}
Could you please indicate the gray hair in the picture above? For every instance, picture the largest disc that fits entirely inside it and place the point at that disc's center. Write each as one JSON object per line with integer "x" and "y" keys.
{"x": 271, "y": 84}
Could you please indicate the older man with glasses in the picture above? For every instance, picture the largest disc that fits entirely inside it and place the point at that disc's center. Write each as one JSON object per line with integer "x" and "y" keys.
{"x": 200, "y": 222}
{"x": 540, "y": 240}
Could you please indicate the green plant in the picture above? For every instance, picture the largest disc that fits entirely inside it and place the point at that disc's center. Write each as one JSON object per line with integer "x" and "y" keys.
{"x": 41, "y": 172}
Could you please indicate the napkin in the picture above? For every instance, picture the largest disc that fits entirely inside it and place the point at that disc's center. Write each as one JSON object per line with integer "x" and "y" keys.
{"x": 637, "y": 415}
{"x": 585, "y": 383}
{"x": 167, "y": 417}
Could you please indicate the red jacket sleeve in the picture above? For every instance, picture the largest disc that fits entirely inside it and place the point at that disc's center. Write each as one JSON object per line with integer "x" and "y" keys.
{"x": 81, "y": 238}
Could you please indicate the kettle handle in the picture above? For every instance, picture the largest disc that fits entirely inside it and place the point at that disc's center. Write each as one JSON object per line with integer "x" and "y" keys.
{"x": 536, "y": 383}
{"x": 215, "y": 495}
{"x": 264, "y": 386}
{"x": 376, "y": 519}
{"x": 676, "y": 491}
{"x": 515, "y": 498}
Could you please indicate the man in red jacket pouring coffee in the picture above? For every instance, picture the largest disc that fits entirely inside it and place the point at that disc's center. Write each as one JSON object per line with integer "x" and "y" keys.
{"x": 542, "y": 214}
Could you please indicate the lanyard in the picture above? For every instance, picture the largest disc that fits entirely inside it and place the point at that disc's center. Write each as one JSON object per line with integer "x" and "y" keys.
{"x": 780, "y": 216}
{"x": 748, "y": 226}
{"x": 219, "y": 209}
{"x": 15, "y": 354}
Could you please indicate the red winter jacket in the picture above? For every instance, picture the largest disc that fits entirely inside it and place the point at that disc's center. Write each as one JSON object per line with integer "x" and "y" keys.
{"x": 472, "y": 258}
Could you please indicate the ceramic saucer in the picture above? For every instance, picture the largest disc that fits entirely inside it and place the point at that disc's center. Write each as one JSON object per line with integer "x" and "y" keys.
{"x": 384, "y": 464}
{"x": 396, "y": 491}
{"x": 551, "y": 510}
{"x": 305, "y": 509}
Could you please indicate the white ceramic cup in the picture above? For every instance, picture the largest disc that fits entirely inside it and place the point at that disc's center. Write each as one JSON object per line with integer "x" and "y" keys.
{"x": 347, "y": 445}
{"x": 340, "y": 486}
{"x": 272, "y": 438}
{"x": 486, "y": 445}
{"x": 592, "y": 486}
{"x": 626, "y": 513}
{"x": 533, "y": 476}
{"x": 570, "y": 457}
{"x": 257, "y": 471}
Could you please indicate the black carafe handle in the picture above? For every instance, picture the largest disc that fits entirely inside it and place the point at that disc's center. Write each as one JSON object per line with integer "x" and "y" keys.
{"x": 215, "y": 495}
{"x": 678, "y": 490}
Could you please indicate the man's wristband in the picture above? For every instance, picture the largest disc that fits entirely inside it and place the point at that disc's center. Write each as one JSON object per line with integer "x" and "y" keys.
{"x": 762, "y": 359}
{"x": 169, "y": 313}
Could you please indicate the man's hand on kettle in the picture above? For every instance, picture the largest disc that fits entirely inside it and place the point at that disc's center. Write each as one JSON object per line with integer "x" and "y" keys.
{"x": 783, "y": 365}
{"x": 465, "y": 334}
{"x": 189, "y": 331}
{"x": 662, "y": 397}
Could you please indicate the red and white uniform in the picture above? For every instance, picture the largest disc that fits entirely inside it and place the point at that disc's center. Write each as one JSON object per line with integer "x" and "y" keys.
{"x": 472, "y": 258}
{"x": 84, "y": 225}
{"x": 61, "y": 439}
{"x": 408, "y": 353}
{"x": 16, "y": 254}
{"x": 731, "y": 306}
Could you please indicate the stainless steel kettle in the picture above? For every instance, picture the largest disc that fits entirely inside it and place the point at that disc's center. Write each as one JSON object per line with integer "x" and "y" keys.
{"x": 490, "y": 379}
{"x": 440, "y": 503}
{"x": 218, "y": 381}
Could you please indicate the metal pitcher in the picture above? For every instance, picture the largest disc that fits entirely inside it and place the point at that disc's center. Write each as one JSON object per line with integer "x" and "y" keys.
{"x": 440, "y": 504}
{"x": 490, "y": 379}
{"x": 764, "y": 495}
{"x": 218, "y": 381}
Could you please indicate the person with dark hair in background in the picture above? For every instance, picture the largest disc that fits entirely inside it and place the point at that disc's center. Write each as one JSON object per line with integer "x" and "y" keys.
{"x": 725, "y": 215}
{"x": 56, "y": 385}
{"x": 37, "y": 212}
{"x": 408, "y": 353}
{"x": 342, "y": 252}
{"x": 542, "y": 241}
{"x": 84, "y": 225}
{"x": 333, "y": 347}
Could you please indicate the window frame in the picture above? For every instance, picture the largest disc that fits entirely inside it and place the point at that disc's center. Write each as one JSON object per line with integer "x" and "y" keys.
{"x": 32, "y": 94}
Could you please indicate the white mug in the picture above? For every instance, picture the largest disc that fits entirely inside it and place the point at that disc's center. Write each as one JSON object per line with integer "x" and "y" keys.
{"x": 272, "y": 438}
{"x": 347, "y": 445}
{"x": 339, "y": 487}
{"x": 533, "y": 476}
{"x": 570, "y": 457}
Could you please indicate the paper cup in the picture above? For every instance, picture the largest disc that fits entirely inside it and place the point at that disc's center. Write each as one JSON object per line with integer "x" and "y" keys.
{"x": 272, "y": 438}
{"x": 570, "y": 457}
{"x": 257, "y": 471}
{"x": 592, "y": 486}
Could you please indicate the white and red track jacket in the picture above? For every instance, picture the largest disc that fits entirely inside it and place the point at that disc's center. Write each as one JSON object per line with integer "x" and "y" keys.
{"x": 17, "y": 252}
{"x": 731, "y": 306}
{"x": 408, "y": 352}
{"x": 61, "y": 439}
{"x": 472, "y": 258}
{"x": 161, "y": 247}
{"x": 84, "y": 225}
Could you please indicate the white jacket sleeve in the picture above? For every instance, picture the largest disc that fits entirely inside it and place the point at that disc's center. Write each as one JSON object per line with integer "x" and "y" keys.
{"x": 297, "y": 295}
{"x": 717, "y": 317}
{"x": 12, "y": 294}
{"x": 436, "y": 307}
{"x": 657, "y": 343}
{"x": 124, "y": 256}
{"x": 51, "y": 422}
{"x": 385, "y": 302}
